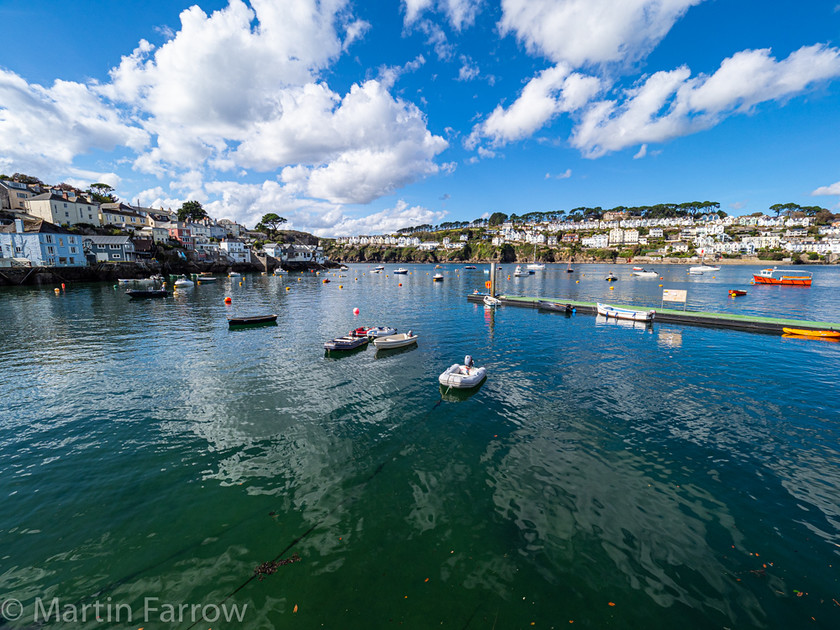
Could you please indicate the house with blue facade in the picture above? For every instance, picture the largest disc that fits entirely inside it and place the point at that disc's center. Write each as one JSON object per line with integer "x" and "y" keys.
{"x": 109, "y": 249}
{"x": 42, "y": 243}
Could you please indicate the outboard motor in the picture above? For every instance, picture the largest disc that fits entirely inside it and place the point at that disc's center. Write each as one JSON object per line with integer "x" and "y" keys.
{"x": 468, "y": 361}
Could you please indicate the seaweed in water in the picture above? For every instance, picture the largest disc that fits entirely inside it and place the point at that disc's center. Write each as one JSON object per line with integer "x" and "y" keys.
{"x": 267, "y": 568}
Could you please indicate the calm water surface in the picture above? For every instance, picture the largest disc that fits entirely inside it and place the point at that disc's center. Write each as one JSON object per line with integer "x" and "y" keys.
{"x": 605, "y": 475}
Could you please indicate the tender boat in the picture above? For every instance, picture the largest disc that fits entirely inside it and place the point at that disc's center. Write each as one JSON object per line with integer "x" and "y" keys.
{"x": 146, "y": 293}
{"x": 401, "y": 271}
{"x": 234, "y": 274}
{"x": 346, "y": 343}
{"x": 470, "y": 267}
{"x": 381, "y": 331}
{"x": 344, "y": 268}
{"x": 279, "y": 272}
{"x": 518, "y": 272}
{"x": 379, "y": 268}
{"x": 645, "y": 273}
{"x": 251, "y": 321}
{"x": 206, "y": 278}
{"x": 556, "y": 306}
{"x": 624, "y": 313}
{"x": 611, "y": 278}
{"x": 438, "y": 277}
{"x": 490, "y": 300}
{"x": 788, "y": 277}
{"x": 702, "y": 268}
{"x": 395, "y": 341}
{"x": 463, "y": 376}
{"x": 183, "y": 283}
{"x": 736, "y": 292}
{"x": 806, "y": 332}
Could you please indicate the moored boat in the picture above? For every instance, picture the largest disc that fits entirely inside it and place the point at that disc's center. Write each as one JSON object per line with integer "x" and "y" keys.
{"x": 490, "y": 300}
{"x": 234, "y": 274}
{"x": 788, "y": 277}
{"x": 470, "y": 267}
{"x": 206, "y": 278}
{"x": 252, "y": 320}
{"x": 381, "y": 331}
{"x": 401, "y": 271}
{"x": 736, "y": 292}
{"x": 807, "y": 332}
{"x": 519, "y": 272}
{"x": 395, "y": 341}
{"x": 611, "y": 277}
{"x": 183, "y": 283}
{"x": 703, "y": 267}
{"x": 438, "y": 277}
{"x": 346, "y": 343}
{"x": 463, "y": 376}
{"x": 557, "y": 307}
{"x": 645, "y": 273}
{"x": 625, "y": 313}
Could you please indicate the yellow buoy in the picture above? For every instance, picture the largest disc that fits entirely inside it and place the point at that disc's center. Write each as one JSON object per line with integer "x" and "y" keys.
{"x": 288, "y": 288}
{"x": 577, "y": 281}
{"x": 340, "y": 286}
{"x": 611, "y": 288}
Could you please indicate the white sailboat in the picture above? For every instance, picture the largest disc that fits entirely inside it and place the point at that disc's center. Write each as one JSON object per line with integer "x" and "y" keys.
{"x": 535, "y": 265}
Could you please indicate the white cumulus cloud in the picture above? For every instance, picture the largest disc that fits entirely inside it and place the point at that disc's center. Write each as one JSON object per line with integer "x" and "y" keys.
{"x": 671, "y": 104}
{"x": 833, "y": 189}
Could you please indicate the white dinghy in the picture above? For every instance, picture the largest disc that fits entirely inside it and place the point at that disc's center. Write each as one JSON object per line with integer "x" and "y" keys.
{"x": 463, "y": 376}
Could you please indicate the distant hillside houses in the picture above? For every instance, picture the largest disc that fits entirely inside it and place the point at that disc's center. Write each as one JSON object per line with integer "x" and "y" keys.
{"x": 713, "y": 234}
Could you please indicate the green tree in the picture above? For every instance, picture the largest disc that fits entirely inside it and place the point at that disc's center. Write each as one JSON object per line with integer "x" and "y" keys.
{"x": 102, "y": 193}
{"x": 497, "y": 218}
{"x": 270, "y": 223}
{"x": 192, "y": 211}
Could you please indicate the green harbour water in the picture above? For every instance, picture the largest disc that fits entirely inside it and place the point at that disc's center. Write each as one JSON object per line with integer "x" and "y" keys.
{"x": 604, "y": 475}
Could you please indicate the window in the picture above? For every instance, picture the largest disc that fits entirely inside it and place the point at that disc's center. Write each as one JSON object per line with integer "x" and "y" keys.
{"x": 51, "y": 250}
{"x": 73, "y": 250}
{"x": 48, "y": 238}
{"x": 114, "y": 246}
{"x": 66, "y": 214}
{"x": 61, "y": 242}
{"x": 18, "y": 249}
{"x": 115, "y": 256}
{"x": 71, "y": 240}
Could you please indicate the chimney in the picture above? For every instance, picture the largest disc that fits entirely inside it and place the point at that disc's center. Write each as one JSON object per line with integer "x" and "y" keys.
{"x": 64, "y": 194}
{"x": 19, "y": 226}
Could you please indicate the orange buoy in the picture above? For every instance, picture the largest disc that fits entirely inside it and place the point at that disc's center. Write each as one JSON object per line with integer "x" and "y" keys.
{"x": 400, "y": 283}
{"x": 355, "y": 311}
{"x": 228, "y": 300}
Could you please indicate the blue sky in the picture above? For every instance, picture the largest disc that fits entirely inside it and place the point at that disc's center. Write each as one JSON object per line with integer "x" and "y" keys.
{"x": 365, "y": 117}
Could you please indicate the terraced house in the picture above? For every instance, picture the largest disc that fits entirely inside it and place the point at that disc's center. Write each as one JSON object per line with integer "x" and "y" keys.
{"x": 41, "y": 244}
{"x": 63, "y": 209}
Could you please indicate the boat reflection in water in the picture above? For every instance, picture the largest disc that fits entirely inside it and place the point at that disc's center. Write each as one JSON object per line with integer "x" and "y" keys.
{"x": 452, "y": 394}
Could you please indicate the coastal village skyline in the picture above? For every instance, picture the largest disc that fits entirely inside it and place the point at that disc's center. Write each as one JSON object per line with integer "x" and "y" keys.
{"x": 349, "y": 119}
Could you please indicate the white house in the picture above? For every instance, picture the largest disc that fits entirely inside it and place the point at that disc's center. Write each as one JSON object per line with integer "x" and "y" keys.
{"x": 235, "y": 250}
{"x": 61, "y": 210}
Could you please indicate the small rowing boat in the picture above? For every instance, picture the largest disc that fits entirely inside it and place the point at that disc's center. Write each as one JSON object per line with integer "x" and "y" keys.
{"x": 736, "y": 292}
{"x": 463, "y": 376}
{"x": 395, "y": 341}
{"x": 252, "y": 320}
{"x": 807, "y": 332}
{"x": 489, "y": 300}
{"x": 616, "y": 312}
{"x": 557, "y": 307}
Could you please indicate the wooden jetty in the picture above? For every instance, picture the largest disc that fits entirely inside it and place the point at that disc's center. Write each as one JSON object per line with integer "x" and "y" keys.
{"x": 733, "y": 321}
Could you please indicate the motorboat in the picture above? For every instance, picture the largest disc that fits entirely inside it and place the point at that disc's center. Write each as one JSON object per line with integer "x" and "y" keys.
{"x": 206, "y": 278}
{"x": 279, "y": 272}
{"x": 535, "y": 266}
{"x": 787, "y": 277}
{"x": 346, "y": 343}
{"x": 703, "y": 268}
{"x": 557, "y": 307}
{"x": 736, "y": 292}
{"x": 616, "y": 312}
{"x": 395, "y": 341}
{"x": 252, "y": 321}
{"x": 438, "y": 277}
{"x": 183, "y": 283}
{"x": 344, "y": 268}
{"x": 695, "y": 272}
{"x": 519, "y": 272}
{"x": 379, "y": 268}
{"x": 381, "y": 331}
{"x": 470, "y": 267}
{"x": 611, "y": 278}
{"x": 490, "y": 300}
{"x": 401, "y": 271}
{"x": 136, "y": 294}
{"x": 463, "y": 376}
{"x": 234, "y": 274}
{"x": 645, "y": 273}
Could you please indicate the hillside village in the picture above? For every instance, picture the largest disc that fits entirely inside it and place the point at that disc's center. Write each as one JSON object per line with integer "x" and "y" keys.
{"x": 60, "y": 226}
